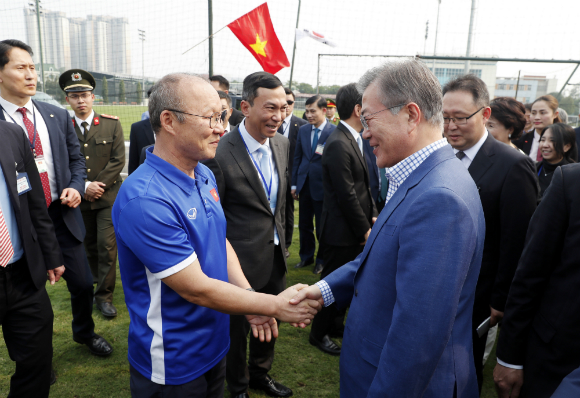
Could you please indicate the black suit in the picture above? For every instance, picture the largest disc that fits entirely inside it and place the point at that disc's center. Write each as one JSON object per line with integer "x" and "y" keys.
{"x": 250, "y": 230}
{"x": 371, "y": 160}
{"x": 525, "y": 142}
{"x": 541, "y": 325}
{"x": 25, "y": 311}
{"x": 347, "y": 212}
{"x": 142, "y": 135}
{"x": 292, "y": 132}
{"x": 236, "y": 118}
{"x": 508, "y": 188}
{"x": 70, "y": 172}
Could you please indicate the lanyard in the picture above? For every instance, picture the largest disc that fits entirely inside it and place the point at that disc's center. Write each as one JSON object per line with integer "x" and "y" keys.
{"x": 268, "y": 187}
{"x": 286, "y": 129}
{"x": 34, "y": 136}
{"x": 541, "y": 167}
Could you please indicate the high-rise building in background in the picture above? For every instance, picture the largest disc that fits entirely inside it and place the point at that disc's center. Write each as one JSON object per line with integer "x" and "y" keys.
{"x": 97, "y": 43}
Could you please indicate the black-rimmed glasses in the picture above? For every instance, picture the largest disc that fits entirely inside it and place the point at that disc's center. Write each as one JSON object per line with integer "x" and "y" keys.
{"x": 459, "y": 121}
{"x": 214, "y": 119}
{"x": 364, "y": 119}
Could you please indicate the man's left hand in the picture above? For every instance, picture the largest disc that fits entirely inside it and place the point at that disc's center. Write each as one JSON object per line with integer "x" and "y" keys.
{"x": 263, "y": 327}
{"x": 55, "y": 274}
{"x": 495, "y": 317}
{"x": 70, "y": 197}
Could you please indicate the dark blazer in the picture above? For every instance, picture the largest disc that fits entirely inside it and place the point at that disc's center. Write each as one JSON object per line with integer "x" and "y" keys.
{"x": 250, "y": 222}
{"x": 143, "y": 154}
{"x": 35, "y": 226}
{"x": 577, "y": 130}
{"x": 295, "y": 124}
{"x": 508, "y": 188}
{"x": 308, "y": 164}
{"x": 525, "y": 142}
{"x": 142, "y": 135}
{"x": 69, "y": 165}
{"x": 348, "y": 206}
{"x": 371, "y": 160}
{"x": 541, "y": 324}
{"x": 236, "y": 117}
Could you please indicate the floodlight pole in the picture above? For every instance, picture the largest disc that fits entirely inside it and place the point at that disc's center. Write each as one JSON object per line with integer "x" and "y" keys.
{"x": 294, "y": 51}
{"x": 436, "y": 31}
{"x": 470, "y": 35}
{"x": 210, "y": 25}
{"x": 40, "y": 45}
{"x": 318, "y": 74}
{"x": 570, "y": 77}
{"x": 142, "y": 38}
{"x": 517, "y": 85}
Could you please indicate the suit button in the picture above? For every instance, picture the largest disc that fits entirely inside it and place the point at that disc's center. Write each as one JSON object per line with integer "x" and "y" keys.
{"x": 86, "y": 145}
{"x": 356, "y": 292}
{"x": 88, "y": 170}
{"x": 87, "y": 157}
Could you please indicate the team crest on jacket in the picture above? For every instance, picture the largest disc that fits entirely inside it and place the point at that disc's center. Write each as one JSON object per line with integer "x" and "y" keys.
{"x": 192, "y": 213}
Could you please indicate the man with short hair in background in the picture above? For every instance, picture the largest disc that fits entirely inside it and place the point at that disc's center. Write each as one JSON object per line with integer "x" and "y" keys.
{"x": 220, "y": 83}
{"x": 226, "y": 102}
{"x": 140, "y": 137}
{"x": 307, "y": 185}
{"x": 331, "y": 114}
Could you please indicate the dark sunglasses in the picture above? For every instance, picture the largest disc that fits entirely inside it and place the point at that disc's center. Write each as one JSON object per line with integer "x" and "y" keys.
{"x": 290, "y": 102}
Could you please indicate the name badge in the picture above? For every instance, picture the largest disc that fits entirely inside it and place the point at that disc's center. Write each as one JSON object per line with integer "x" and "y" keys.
{"x": 22, "y": 183}
{"x": 319, "y": 149}
{"x": 41, "y": 164}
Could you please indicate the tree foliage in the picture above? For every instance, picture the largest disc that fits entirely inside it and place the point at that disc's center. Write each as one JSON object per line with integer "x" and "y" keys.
{"x": 122, "y": 96}
{"x": 105, "y": 91}
{"x": 139, "y": 93}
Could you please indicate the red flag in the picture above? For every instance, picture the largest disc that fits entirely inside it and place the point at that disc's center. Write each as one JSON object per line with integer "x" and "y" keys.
{"x": 256, "y": 32}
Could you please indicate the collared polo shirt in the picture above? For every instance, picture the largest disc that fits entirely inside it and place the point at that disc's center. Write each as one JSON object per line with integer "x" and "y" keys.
{"x": 164, "y": 220}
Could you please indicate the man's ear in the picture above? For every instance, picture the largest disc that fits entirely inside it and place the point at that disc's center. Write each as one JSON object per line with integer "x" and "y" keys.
{"x": 245, "y": 108}
{"x": 357, "y": 110}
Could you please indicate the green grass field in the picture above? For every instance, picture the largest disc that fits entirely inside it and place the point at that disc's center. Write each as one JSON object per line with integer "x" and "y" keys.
{"x": 298, "y": 365}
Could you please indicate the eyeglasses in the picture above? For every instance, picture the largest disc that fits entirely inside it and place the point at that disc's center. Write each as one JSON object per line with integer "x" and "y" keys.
{"x": 290, "y": 102}
{"x": 214, "y": 119}
{"x": 459, "y": 121}
{"x": 364, "y": 119}
{"x": 84, "y": 96}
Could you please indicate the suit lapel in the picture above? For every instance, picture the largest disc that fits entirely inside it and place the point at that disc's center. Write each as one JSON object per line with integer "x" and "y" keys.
{"x": 242, "y": 158}
{"x": 329, "y": 128}
{"x": 278, "y": 156}
{"x": 53, "y": 134}
{"x": 483, "y": 160}
{"x": 353, "y": 144}
{"x": 80, "y": 135}
{"x": 9, "y": 170}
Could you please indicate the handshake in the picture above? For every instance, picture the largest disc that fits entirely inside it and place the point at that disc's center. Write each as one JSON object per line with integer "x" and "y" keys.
{"x": 296, "y": 305}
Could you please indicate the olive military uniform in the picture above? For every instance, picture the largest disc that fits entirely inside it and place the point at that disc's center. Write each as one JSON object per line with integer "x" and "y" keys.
{"x": 103, "y": 147}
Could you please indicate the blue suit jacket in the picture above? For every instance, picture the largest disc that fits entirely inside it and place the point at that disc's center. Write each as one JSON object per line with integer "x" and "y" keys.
{"x": 411, "y": 290}
{"x": 69, "y": 165}
{"x": 306, "y": 164}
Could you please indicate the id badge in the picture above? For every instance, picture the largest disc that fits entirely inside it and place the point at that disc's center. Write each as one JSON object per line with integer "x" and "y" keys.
{"x": 41, "y": 164}
{"x": 22, "y": 183}
{"x": 319, "y": 149}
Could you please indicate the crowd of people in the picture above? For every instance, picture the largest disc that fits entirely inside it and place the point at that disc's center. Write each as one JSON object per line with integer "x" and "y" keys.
{"x": 439, "y": 214}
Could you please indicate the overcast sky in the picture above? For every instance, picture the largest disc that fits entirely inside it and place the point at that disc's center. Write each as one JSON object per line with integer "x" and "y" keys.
{"x": 512, "y": 28}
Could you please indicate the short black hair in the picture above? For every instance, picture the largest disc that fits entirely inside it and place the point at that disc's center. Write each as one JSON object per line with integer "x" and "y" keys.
{"x": 226, "y": 96}
{"x": 347, "y": 98}
{"x": 7, "y": 45}
{"x": 258, "y": 80}
{"x": 149, "y": 91}
{"x": 471, "y": 84}
{"x": 320, "y": 102}
{"x": 563, "y": 134}
{"x": 289, "y": 92}
{"x": 223, "y": 82}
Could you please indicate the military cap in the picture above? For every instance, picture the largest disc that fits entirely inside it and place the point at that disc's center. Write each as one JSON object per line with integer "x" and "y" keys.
{"x": 330, "y": 103}
{"x": 75, "y": 80}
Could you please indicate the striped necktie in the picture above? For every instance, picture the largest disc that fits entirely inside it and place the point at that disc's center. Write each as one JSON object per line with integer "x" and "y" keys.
{"x": 6, "y": 248}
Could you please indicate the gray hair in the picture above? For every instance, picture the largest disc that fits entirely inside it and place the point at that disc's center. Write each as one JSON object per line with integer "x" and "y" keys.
{"x": 402, "y": 82}
{"x": 563, "y": 115}
{"x": 165, "y": 95}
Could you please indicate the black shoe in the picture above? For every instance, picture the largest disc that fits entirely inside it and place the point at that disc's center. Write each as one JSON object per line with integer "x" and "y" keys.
{"x": 336, "y": 334}
{"x": 270, "y": 387}
{"x": 287, "y": 253}
{"x": 97, "y": 345}
{"x": 52, "y": 376}
{"x": 107, "y": 309}
{"x": 318, "y": 269}
{"x": 242, "y": 395}
{"x": 305, "y": 263}
{"x": 326, "y": 345}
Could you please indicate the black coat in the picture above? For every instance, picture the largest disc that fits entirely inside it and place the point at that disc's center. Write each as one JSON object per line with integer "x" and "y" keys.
{"x": 348, "y": 205}
{"x": 41, "y": 248}
{"x": 508, "y": 188}
{"x": 141, "y": 136}
{"x": 525, "y": 142}
{"x": 236, "y": 118}
{"x": 541, "y": 324}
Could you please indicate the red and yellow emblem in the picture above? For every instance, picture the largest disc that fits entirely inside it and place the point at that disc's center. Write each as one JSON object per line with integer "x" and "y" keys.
{"x": 96, "y": 119}
{"x": 215, "y": 195}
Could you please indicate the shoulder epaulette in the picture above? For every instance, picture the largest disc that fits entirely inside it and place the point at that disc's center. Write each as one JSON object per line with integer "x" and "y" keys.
{"x": 110, "y": 116}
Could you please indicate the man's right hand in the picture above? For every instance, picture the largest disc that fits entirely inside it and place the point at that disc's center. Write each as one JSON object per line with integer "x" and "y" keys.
{"x": 366, "y": 237}
{"x": 94, "y": 191}
{"x": 296, "y": 313}
{"x": 294, "y": 194}
{"x": 508, "y": 381}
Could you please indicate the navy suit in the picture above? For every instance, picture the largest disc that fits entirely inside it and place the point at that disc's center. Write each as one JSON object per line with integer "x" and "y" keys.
{"x": 374, "y": 178}
{"x": 70, "y": 172}
{"x": 307, "y": 178}
{"x": 411, "y": 290}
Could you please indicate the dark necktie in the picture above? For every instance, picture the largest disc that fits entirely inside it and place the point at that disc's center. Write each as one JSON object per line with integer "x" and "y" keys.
{"x": 460, "y": 155}
{"x": 281, "y": 128}
{"x": 85, "y": 125}
{"x": 38, "y": 153}
{"x": 315, "y": 140}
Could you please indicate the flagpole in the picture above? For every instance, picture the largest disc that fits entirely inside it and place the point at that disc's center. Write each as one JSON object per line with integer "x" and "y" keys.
{"x": 210, "y": 27}
{"x": 318, "y": 74}
{"x": 294, "y": 51}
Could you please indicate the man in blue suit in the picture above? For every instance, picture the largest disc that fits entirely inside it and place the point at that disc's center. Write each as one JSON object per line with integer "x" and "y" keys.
{"x": 307, "y": 185}
{"x": 411, "y": 290}
{"x": 62, "y": 171}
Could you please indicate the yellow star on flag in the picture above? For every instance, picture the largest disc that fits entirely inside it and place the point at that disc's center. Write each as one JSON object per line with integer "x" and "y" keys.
{"x": 258, "y": 47}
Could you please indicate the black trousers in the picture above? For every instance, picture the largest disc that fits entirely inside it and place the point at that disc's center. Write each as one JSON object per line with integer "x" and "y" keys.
{"x": 238, "y": 372}
{"x": 309, "y": 209}
{"x": 478, "y": 352}
{"x": 331, "y": 319}
{"x": 208, "y": 385}
{"x": 26, "y": 317}
{"x": 77, "y": 275}
{"x": 289, "y": 216}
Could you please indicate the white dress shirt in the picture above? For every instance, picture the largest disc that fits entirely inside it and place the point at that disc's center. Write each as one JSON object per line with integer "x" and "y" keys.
{"x": 286, "y": 126}
{"x": 471, "y": 152}
{"x": 321, "y": 127}
{"x": 535, "y": 144}
{"x": 253, "y": 148}
{"x": 12, "y": 115}
{"x": 89, "y": 121}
